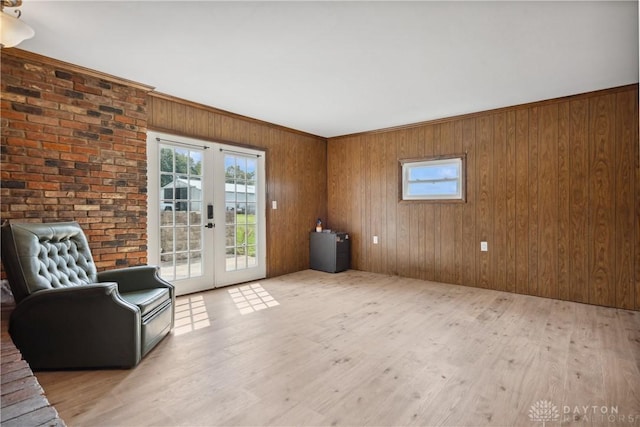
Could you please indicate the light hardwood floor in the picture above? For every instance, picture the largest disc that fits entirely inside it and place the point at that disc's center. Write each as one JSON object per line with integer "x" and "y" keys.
{"x": 357, "y": 348}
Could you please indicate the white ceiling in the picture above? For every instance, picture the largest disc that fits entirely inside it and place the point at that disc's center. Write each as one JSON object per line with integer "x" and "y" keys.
{"x": 334, "y": 68}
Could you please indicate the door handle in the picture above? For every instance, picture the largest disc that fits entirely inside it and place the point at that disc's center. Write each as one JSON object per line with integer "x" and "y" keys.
{"x": 210, "y": 225}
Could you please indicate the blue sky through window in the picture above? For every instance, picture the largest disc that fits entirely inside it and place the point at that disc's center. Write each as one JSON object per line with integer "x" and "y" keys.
{"x": 438, "y": 179}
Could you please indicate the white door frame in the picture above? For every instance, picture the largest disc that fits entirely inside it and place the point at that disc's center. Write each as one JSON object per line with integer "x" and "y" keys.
{"x": 214, "y": 273}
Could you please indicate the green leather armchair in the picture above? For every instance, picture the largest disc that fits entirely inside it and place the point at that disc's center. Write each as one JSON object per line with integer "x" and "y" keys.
{"x": 68, "y": 315}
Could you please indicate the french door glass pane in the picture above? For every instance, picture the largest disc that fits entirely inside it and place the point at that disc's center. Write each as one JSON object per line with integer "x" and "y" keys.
{"x": 240, "y": 211}
{"x": 180, "y": 212}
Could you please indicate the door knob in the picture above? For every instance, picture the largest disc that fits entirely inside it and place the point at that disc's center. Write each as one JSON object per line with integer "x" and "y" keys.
{"x": 209, "y": 225}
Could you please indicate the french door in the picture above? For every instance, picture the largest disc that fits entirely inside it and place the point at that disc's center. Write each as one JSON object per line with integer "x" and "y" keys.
{"x": 206, "y": 215}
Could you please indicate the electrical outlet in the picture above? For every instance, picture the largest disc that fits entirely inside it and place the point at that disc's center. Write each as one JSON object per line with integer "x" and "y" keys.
{"x": 375, "y": 240}
{"x": 274, "y": 204}
{"x": 484, "y": 246}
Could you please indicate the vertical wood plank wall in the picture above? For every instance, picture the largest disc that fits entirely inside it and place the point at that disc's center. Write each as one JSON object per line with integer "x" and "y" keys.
{"x": 295, "y": 170}
{"x": 553, "y": 187}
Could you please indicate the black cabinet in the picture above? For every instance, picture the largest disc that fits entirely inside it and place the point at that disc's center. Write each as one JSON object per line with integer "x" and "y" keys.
{"x": 330, "y": 252}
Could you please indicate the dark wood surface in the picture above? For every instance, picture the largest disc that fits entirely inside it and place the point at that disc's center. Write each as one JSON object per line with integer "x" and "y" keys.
{"x": 296, "y": 171}
{"x": 23, "y": 401}
{"x": 553, "y": 187}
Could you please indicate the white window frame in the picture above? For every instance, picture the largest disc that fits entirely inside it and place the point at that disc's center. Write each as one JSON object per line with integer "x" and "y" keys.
{"x": 406, "y": 165}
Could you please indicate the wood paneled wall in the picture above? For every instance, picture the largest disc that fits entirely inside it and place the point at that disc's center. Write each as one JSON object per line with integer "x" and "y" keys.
{"x": 553, "y": 187}
{"x": 296, "y": 167}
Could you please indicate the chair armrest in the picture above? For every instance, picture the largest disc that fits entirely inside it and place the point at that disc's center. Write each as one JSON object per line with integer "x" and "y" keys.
{"x": 136, "y": 278}
{"x": 85, "y": 326}
{"x": 105, "y": 289}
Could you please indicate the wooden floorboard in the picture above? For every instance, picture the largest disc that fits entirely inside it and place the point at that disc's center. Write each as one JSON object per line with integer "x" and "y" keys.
{"x": 358, "y": 348}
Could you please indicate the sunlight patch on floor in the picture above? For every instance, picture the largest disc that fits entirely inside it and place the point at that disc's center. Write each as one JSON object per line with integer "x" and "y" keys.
{"x": 250, "y": 298}
{"x": 191, "y": 314}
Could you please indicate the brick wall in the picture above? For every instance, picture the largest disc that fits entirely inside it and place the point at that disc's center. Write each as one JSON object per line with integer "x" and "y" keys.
{"x": 74, "y": 148}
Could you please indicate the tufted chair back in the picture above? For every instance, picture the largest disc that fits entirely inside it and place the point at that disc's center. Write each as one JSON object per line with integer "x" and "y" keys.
{"x": 44, "y": 256}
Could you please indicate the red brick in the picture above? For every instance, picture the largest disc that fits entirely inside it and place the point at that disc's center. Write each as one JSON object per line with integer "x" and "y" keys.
{"x": 54, "y": 146}
{"x": 16, "y": 207}
{"x": 102, "y": 213}
{"x": 86, "y": 89}
{"x": 109, "y": 256}
{"x": 92, "y": 181}
{"x": 74, "y": 125}
{"x": 42, "y": 136}
{"x": 72, "y": 141}
{"x": 73, "y": 159}
{"x": 43, "y": 185}
{"x": 125, "y": 133}
{"x": 10, "y": 167}
{"x": 87, "y": 119}
{"x": 14, "y": 97}
{"x": 81, "y": 157}
{"x": 13, "y": 115}
{"x": 73, "y": 109}
{"x": 30, "y": 177}
{"x": 57, "y": 131}
{"x": 63, "y": 194}
{"x": 28, "y": 160}
{"x": 42, "y": 87}
{"x": 28, "y": 126}
{"x": 51, "y": 121}
{"x": 114, "y": 168}
{"x": 23, "y": 142}
{"x": 60, "y": 178}
{"x": 86, "y": 149}
{"x": 43, "y": 103}
{"x": 41, "y": 200}
{"x": 125, "y": 119}
{"x": 125, "y": 147}
{"x": 48, "y": 112}
{"x": 86, "y": 207}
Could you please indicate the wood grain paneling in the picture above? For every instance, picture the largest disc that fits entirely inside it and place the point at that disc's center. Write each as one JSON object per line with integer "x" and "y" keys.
{"x": 403, "y": 236}
{"x": 458, "y": 213}
{"x": 510, "y": 196}
{"x": 360, "y": 253}
{"x": 578, "y": 201}
{"x": 564, "y": 196}
{"x": 636, "y": 160}
{"x": 295, "y": 172}
{"x": 499, "y": 201}
{"x": 391, "y": 206}
{"x": 522, "y": 201}
{"x": 624, "y": 206}
{"x": 425, "y": 216}
{"x": 415, "y": 249}
{"x": 548, "y": 202}
{"x": 602, "y": 252}
{"x": 484, "y": 189}
{"x": 533, "y": 205}
{"x": 437, "y": 214}
{"x": 375, "y": 194}
{"x": 446, "y": 254}
{"x": 470, "y": 243}
{"x": 554, "y": 187}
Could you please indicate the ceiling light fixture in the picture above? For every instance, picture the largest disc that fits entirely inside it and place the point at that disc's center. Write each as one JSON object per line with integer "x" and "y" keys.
{"x": 12, "y": 30}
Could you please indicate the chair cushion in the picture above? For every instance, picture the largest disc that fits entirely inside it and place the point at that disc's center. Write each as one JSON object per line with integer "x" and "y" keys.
{"x": 41, "y": 256}
{"x": 147, "y": 300}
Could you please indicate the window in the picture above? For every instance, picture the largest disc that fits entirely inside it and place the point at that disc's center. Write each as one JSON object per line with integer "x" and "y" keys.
{"x": 435, "y": 179}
